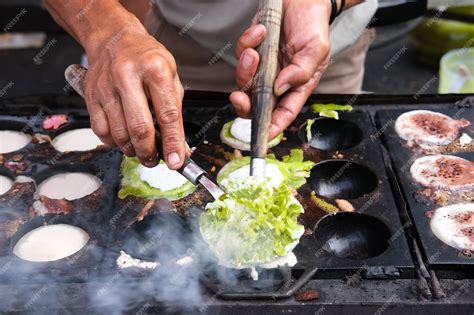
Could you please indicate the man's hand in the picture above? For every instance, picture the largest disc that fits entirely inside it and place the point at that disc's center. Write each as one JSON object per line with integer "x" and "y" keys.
{"x": 125, "y": 72}
{"x": 304, "y": 56}
{"x": 127, "y": 66}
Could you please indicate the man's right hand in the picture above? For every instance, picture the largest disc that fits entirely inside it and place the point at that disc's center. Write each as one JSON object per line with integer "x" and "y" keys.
{"x": 127, "y": 66}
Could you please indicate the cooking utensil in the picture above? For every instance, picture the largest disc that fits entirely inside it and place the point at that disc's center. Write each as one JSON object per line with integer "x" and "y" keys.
{"x": 263, "y": 98}
{"x": 75, "y": 75}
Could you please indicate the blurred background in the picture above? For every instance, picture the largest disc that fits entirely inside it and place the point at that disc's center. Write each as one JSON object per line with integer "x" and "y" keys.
{"x": 412, "y": 37}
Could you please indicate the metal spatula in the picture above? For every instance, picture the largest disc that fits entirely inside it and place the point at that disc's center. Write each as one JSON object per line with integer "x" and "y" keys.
{"x": 263, "y": 98}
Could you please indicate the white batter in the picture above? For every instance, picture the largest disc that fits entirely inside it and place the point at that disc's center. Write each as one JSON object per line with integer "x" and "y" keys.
{"x": 83, "y": 139}
{"x": 271, "y": 171}
{"x": 69, "y": 186}
{"x": 241, "y": 129}
{"x": 161, "y": 177}
{"x": 13, "y": 140}
{"x": 51, "y": 242}
{"x": 5, "y": 184}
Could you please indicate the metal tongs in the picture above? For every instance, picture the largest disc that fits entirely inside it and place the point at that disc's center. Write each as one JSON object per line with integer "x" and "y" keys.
{"x": 75, "y": 75}
{"x": 263, "y": 96}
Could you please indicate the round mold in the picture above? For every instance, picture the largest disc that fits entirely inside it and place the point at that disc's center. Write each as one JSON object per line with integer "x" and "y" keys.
{"x": 158, "y": 237}
{"x": 59, "y": 169}
{"x": 50, "y": 219}
{"x": 342, "y": 179}
{"x": 332, "y": 134}
{"x": 352, "y": 235}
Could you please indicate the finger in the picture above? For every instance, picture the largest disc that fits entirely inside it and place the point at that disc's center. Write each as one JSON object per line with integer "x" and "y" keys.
{"x": 100, "y": 124}
{"x": 112, "y": 106}
{"x": 167, "y": 105}
{"x": 251, "y": 38}
{"x": 241, "y": 103}
{"x": 138, "y": 117}
{"x": 302, "y": 67}
{"x": 75, "y": 75}
{"x": 98, "y": 118}
{"x": 289, "y": 107}
{"x": 118, "y": 125}
{"x": 246, "y": 69}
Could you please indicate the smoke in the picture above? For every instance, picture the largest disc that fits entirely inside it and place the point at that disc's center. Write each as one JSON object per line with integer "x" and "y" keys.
{"x": 176, "y": 246}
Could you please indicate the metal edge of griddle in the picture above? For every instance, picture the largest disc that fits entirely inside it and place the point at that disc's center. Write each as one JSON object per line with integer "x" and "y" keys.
{"x": 423, "y": 272}
{"x": 283, "y": 292}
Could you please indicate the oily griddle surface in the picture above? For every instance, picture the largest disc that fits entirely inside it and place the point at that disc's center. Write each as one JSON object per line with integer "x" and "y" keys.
{"x": 438, "y": 254}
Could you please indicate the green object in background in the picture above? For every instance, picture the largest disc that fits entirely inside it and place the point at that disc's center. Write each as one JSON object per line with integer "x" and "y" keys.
{"x": 456, "y": 72}
{"x": 434, "y": 37}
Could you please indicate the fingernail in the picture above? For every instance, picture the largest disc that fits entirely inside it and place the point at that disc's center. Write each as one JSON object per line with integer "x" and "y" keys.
{"x": 258, "y": 31}
{"x": 282, "y": 90}
{"x": 173, "y": 158}
{"x": 247, "y": 61}
{"x": 150, "y": 164}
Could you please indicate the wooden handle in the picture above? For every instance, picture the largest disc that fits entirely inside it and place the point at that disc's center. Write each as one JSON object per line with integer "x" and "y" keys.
{"x": 263, "y": 98}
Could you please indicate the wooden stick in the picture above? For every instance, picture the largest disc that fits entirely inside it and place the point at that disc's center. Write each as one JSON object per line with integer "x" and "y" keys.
{"x": 263, "y": 98}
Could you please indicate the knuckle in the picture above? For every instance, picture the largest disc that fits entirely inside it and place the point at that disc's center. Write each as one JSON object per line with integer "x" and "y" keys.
{"x": 305, "y": 74}
{"x": 120, "y": 136}
{"x": 160, "y": 66}
{"x": 100, "y": 130}
{"x": 122, "y": 69}
{"x": 141, "y": 131}
{"x": 168, "y": 116}
{"x": 172, "y": 141}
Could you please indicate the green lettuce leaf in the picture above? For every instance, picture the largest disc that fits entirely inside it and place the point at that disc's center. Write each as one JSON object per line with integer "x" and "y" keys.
{"x": 132, "y": 185}
{"x": 318, "y": 108}
{"x": 252, "y": 223}
{"x": 309, "y": 124}
{"x": 293, "y": 168}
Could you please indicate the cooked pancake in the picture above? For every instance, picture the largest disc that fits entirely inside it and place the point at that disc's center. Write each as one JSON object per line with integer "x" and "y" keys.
{"x": 454, "y": 225}
{"x": 445, "y": 172}
{"x": 428, "y": 128}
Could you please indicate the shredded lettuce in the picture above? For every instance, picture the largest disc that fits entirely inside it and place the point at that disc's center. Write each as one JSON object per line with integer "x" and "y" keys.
{"x": 252, "y": 223}
{"x": 132, "y": 185}
{"x": 292, "y": 167}
{"x": 309, "y": 124}
{"x": 318, "y": 108}
{"x": 229, "y": 139}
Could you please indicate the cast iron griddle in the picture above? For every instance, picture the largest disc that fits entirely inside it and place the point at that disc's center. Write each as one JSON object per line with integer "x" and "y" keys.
{"x": 378, "y": 247}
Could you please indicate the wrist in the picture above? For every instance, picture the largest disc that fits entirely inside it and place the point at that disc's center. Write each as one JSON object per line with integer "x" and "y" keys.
{"x": 103, "y": 29}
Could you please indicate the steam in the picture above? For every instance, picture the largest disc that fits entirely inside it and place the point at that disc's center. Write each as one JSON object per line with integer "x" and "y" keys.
{"x": 174, "y": 281}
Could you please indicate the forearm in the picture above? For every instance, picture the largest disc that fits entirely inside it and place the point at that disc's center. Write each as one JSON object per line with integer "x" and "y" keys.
{"x": 92, "y": 22}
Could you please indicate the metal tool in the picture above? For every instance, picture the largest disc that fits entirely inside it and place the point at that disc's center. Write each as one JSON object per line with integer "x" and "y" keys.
{"x": 75, "y": 75}
{"x": 196, "y": 175}
{"x": 263, "y": 98}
